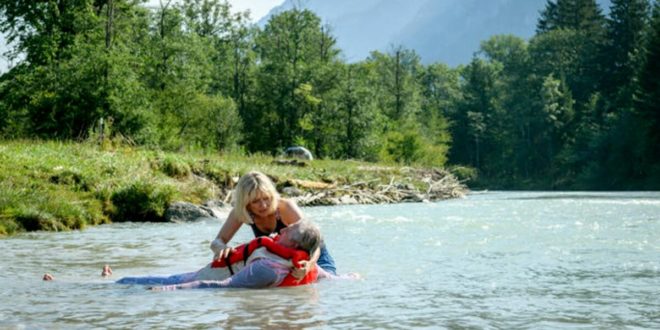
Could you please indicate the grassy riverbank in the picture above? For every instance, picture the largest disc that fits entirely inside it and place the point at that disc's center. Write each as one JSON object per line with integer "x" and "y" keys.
{"x": 63, "y": 185}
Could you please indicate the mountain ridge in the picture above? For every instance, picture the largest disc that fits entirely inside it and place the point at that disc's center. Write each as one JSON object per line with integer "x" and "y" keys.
{"x": 447, "y": 31}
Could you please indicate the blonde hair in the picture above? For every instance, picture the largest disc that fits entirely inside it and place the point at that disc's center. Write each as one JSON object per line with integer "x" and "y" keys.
{"x": 249, "y": 186}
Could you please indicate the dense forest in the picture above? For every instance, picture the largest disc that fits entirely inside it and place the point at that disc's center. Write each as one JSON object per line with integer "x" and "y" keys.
{"x": 575, "y": 107}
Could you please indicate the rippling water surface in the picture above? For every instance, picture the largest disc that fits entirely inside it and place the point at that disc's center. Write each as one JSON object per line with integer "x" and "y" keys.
{"x": 492, "y": 260}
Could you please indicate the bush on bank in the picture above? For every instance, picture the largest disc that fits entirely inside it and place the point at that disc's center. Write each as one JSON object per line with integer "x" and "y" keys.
{"x": 56, "y": 186}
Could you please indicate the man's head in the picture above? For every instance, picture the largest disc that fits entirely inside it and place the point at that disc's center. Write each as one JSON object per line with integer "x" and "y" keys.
{"x": 302, "y": 235}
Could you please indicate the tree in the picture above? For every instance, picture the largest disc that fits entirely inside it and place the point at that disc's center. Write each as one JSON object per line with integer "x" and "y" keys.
{"x": 476, "y": 126}
{"x": 615, "y": 153}
{"x": 440, "y": 94}
{"x": 558, "y": 113}
{"x": 648, "y": 105}
{"x": 522, "y": 124}
{"x": 622, "y": 52}
{"x": 583, "y": 21}
{"x": 180, "y": 50}
{"x": 44, "y": 30}
{"x": 580, "y": 15}
{"x": 296, "y": 54}
{"x": 74, "y": 69}
{"x": 398, "y": 72}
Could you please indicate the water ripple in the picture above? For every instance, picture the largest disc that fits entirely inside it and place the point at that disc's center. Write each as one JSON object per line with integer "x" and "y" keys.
{"x": 493, "y": 260}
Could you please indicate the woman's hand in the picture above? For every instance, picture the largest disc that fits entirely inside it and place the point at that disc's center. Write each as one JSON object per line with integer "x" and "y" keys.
{"x": 224, "y": 253}
{"x": 299, "y": 273}
{"x": 220, "y": 249}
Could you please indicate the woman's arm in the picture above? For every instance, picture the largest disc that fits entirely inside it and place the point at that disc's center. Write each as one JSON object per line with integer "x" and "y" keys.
{"x": 226, "y": 233}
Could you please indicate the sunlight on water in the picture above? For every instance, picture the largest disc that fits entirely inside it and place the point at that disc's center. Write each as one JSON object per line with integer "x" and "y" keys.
{"x": 492, "y": 260}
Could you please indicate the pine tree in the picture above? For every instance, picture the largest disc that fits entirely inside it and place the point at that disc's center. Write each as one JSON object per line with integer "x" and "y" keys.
{"x": 649, "y": 96}
{"x": 581, "y": 15}
{"x": 548, "y": 19}
{"x": 584, "y": 19}
{"x": 621, "y": 53}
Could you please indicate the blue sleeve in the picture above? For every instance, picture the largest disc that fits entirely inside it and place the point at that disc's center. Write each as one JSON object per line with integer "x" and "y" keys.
{"x": 162, "y": 280}
{"x": 261, "y": 273}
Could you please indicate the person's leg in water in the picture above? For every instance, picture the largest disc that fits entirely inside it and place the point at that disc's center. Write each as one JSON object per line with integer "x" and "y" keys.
{"x": 160, "y": 280}
{"x": 261, "y": 273}
{"x": 106, "y": 272}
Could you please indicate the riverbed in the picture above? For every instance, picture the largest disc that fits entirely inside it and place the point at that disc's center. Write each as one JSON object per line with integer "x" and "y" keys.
{"x": 490, "y": 260}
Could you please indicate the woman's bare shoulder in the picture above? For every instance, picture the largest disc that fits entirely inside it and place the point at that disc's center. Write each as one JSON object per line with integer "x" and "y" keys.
{"x": 289, "y": 211}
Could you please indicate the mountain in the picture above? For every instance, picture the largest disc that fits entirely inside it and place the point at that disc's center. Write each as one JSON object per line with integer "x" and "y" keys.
{"x": 448, "y": 31}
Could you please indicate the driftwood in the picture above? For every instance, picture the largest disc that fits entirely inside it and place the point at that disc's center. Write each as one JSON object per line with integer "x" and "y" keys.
{"x": 441, "y": 185}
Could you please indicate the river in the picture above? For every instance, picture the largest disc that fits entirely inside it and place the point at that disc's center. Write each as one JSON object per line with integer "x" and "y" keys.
{"x": 490, "y": 260}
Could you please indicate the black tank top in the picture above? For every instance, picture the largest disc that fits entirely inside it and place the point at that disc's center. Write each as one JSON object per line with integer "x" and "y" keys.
{"x": 279, "y": 225}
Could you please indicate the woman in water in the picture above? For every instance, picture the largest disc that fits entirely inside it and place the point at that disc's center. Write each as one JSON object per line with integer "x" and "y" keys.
{"x": 258, "y": 205}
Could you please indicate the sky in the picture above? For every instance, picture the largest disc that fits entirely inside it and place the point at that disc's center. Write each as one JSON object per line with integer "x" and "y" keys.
{"x": 257, "y": 8}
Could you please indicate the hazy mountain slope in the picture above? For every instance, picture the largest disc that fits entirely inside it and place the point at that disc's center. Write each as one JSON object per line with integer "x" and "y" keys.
{"x": 451, "y": 31}
{"x": 439, "y": 30}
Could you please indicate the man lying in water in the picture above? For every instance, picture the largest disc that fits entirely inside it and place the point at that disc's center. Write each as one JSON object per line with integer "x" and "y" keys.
{"x": 261, "y": 269}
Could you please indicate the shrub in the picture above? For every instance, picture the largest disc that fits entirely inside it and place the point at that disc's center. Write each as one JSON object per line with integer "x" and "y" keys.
{"x": 8, "y": 226}
{"x": 174, "y": 167}
{"x": 142, "y": 201}
{"x": 32, "y": 220}
{"x": 72, "y": 178}
{"x": 464, "y": 173}
{"x": 401, "y": 147}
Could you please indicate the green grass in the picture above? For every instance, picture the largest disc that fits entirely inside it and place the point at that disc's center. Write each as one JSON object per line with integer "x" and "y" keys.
{"x": 46, "y": 185}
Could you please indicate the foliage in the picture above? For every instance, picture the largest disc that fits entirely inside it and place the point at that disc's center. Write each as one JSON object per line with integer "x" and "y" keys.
{"x": 573, "y": 107}
{"x": 141, "y": 201}
{"x": 62, "y": 186}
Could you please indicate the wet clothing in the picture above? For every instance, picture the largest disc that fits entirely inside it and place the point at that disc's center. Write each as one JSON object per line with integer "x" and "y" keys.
{"x": 160, "y": 280}
{"x": 206, "y": 273}
{"x": 262, "y": 273}
{"x": 210, "y": 273}
{"x": 325, "y": 259}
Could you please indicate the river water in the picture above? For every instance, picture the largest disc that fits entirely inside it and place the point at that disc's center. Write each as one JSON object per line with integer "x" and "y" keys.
{"x": 490, "y": 260}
